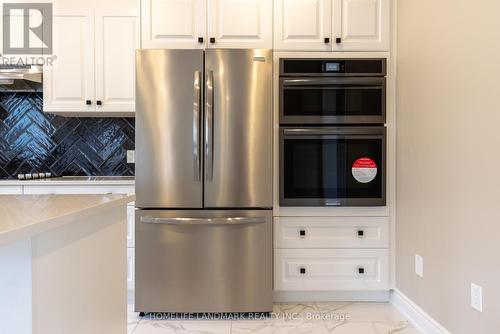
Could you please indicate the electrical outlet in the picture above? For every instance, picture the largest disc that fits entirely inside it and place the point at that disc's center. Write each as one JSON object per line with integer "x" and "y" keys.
{"x": 419, "y": 265}
{"x": 130, "y": 156}
{"x": 476, "y": 297}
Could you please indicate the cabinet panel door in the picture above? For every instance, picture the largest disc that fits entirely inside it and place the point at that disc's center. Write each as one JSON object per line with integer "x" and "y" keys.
{"x": 303, "y": 25}
{"x": 240, "y": 23}
{"x": 69, "y": 82}
{"x": 173, "y": 24}
{"x": 363, "y": 25}
{"x": 117, "y": 38}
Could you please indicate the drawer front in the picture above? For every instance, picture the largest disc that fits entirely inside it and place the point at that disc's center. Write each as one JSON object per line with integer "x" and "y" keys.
{"x": 11, "y": 190}
{"x": 130, "y": 268}
{"x": 329, "y": 269}
{"x": 331, "y": 232}
{"x": 79, "y": 189}
{"x": 130, "y": 226}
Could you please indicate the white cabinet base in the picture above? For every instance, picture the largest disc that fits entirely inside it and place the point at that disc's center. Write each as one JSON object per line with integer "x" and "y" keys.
{"x": 330, "y": 296}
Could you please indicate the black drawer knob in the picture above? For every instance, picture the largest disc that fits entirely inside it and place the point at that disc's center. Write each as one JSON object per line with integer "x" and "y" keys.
{"x": 200, "y": 39}
{"x": 361, "y": 270}
{"x": 361, "y": 233}
{"x": 327, "y": 40}
{"x": 88, "y": 102}
{"x": 212, "y": 40}
{"x": 99, "y": 102}
{"x": 302, "y": 233}
{"x": 302, "y": 271}
{"x": 338, "y": 40}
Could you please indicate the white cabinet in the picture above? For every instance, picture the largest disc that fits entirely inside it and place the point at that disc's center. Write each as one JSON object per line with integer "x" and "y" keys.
{"x": 331, "y": 253}
{"x": 240, "y": 23}
{"x": 332, "y": 25}
{"x": 69, "y": 82}
{"x": 302, "y": 25}
{"x": 95, "y": 59}
{"x": 189, "y": 24}
{"x": 362, "y": 25}
{"x": 173, "y": 24}
{"x": 116, "y": 39}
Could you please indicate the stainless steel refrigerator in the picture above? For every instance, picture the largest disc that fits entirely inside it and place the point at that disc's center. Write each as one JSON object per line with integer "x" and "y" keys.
{"x": 203, "y": 181}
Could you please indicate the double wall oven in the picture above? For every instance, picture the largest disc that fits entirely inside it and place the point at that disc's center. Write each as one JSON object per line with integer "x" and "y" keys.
{"x": 332, "y": 132}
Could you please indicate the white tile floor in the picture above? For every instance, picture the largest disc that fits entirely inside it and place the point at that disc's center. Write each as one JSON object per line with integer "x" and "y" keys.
{"x": 313, "y": 318}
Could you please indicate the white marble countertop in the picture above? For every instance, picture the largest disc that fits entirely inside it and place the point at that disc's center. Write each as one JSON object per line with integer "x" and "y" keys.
{"x": 77, "y": 180}
{"x": 22, "y": 216}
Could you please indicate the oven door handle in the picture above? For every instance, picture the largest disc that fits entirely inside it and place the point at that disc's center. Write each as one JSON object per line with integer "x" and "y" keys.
{"x": 334, "y": 131}
{"x": 334, "y": 81}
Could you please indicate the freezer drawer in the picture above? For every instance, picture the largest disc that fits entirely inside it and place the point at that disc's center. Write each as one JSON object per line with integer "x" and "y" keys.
{"x": 203, "y": 261}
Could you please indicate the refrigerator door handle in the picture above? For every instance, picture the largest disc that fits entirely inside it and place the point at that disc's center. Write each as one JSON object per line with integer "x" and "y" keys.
{"x": 209, "y": 134}
{"x": 196, "y": 125}
{"x": 203, "y": 221}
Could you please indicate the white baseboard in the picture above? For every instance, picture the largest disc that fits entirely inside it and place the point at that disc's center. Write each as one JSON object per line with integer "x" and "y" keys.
{"x": 330, "y": 296}
{"x": 418, "y": 317}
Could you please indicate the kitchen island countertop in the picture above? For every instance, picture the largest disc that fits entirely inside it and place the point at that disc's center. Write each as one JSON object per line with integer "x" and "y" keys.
{"x": 60, "y": 254}
{"x": 23, "y": 216}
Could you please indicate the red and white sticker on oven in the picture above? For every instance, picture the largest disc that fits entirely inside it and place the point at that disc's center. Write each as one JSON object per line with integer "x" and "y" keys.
{"x": 364, "y": 170}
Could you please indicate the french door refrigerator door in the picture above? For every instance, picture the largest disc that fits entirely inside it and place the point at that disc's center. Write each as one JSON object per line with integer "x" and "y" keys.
{"x": 238, "y": 128}
{"x": 168, "y": 128}
{"x": 198, "y": 261}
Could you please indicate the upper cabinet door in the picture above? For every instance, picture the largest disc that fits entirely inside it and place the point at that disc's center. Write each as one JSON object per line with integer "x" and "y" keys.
{"x": 240, "y": 23}
{"x": 173, "y": 24}
{"x": 303, "y": 25}
{"x": 362, "y": 25}
{"x": 116, "y": 39}
{"x": 68, "y": 85}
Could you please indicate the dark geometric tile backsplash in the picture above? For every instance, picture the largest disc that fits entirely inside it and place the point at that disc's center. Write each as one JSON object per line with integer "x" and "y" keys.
{"x": 34, "y": 141}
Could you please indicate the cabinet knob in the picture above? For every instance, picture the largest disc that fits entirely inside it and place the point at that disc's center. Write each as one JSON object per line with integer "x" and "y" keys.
{"x": 302, "y": 233}
{"x": 212, "y": 39}
{"x": 327, "y": 40}
{"x": 338, "y": 40}
{"x": 302, "y": 271}
{"x": 200, "y": 39}
{"x": 361, "y": 270}
{"x": 88, "y": 102}
{"x": 99, "y": 102}
{"x": 361, "y": 233}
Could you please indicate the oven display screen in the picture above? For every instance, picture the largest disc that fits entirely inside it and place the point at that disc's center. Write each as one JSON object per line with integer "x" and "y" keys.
{"x": 332, "y": 67}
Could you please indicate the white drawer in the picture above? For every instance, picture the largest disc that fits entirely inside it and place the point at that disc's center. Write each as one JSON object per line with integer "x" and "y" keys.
{"x": 78, "y": 189}
{"x": 130, "y": 226}
{"x": 331, "y": 232}
{"x": 130, "y": 268}
{"x": 11, "y": 190}
{"x": 331, "y": 269}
